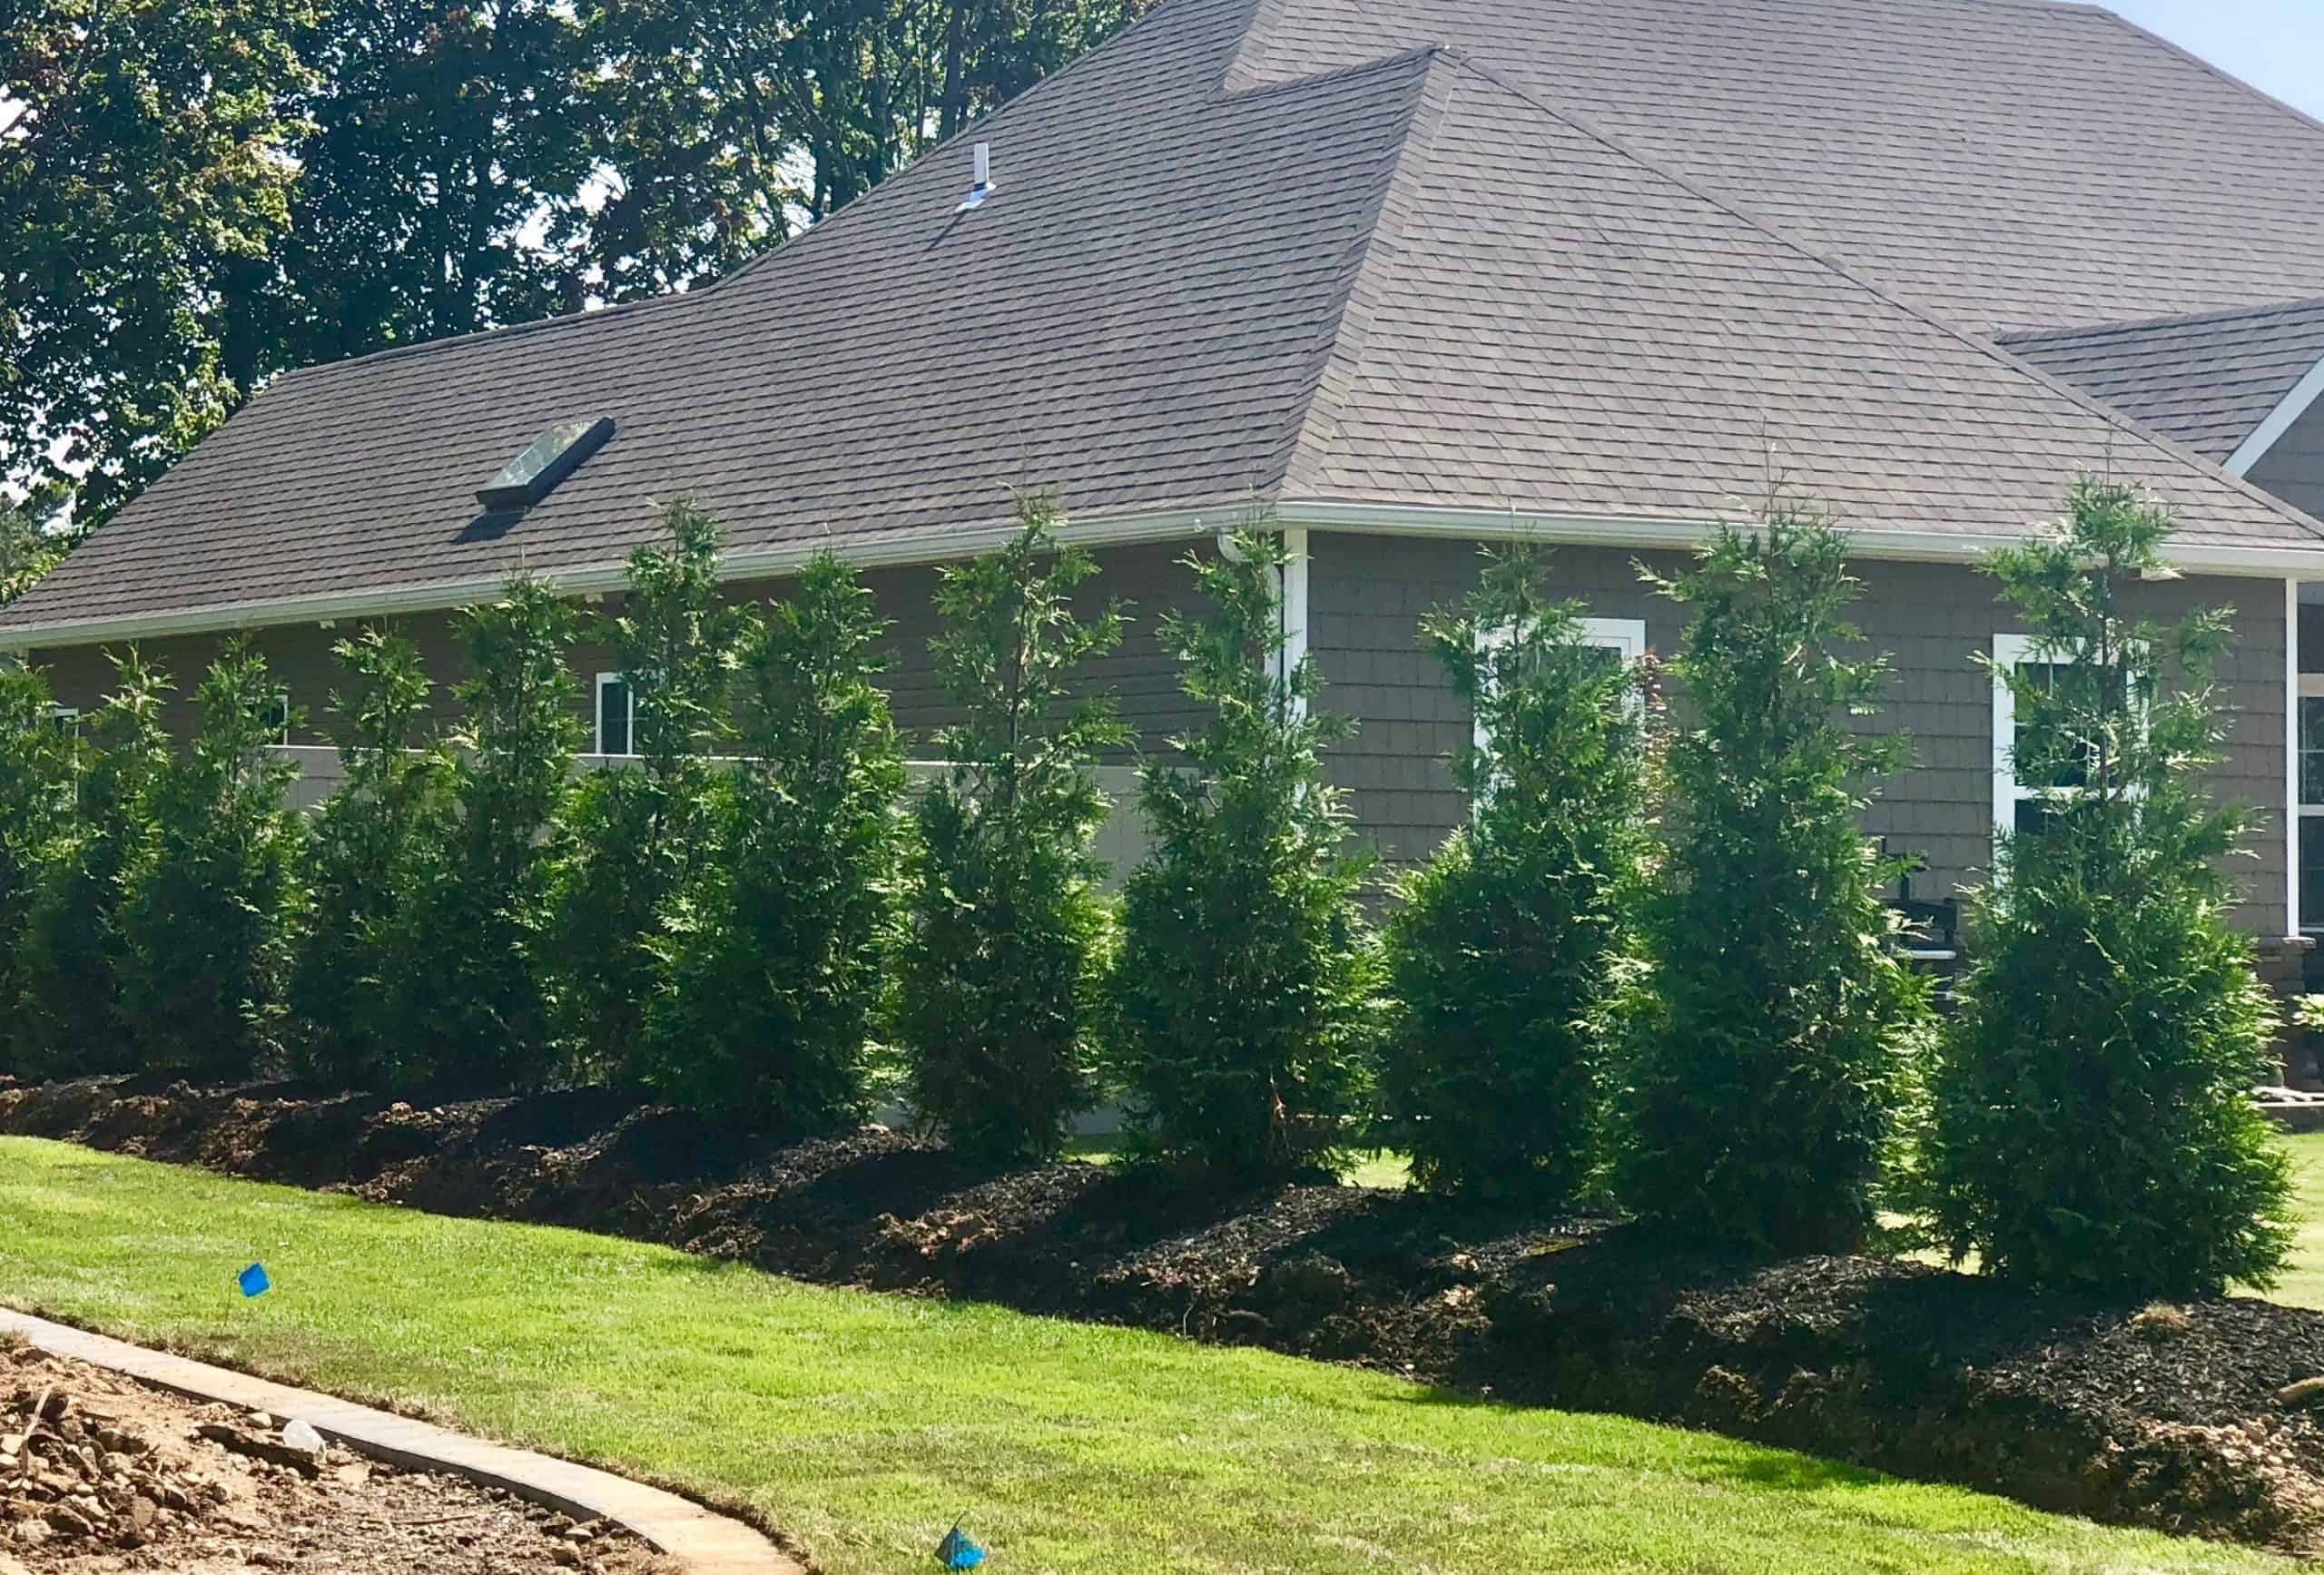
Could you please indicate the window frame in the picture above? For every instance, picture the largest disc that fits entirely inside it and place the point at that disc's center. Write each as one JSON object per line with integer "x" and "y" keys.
{"x": 2311, "y": 687}
{"x": 282, "y": 718}
{"x": 597, "y": 716}
{"x": 2009, "y": 652}
{"x": 1626, "y": 637}
{"x": 66, "y": 714}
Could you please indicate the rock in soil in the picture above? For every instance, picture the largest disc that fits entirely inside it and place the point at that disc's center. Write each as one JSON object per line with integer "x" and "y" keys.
{"x": 112, "y": 1476}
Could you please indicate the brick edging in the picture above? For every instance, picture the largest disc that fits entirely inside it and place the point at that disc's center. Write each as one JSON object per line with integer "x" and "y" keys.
{"x": 704, "y": 1542}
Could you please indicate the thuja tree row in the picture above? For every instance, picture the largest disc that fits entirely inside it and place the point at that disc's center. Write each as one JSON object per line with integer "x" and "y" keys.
{"x": 1653, "y": 969}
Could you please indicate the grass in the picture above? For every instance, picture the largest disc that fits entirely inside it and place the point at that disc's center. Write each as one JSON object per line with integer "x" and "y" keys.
{"x": 863, "y": 1424}
{"x": 2302, "y": 1285}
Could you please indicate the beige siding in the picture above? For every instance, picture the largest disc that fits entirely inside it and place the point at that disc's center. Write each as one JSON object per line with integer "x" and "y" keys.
{"x": 1368, "y": 593}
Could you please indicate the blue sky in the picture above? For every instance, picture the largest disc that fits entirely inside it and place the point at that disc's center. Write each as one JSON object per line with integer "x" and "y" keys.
{"x": 2277, "y": 46}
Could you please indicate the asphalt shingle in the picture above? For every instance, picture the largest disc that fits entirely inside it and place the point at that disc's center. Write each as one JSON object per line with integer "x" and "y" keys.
{"x": 2208, "y": 381}
{"x": 1406, "y": 251}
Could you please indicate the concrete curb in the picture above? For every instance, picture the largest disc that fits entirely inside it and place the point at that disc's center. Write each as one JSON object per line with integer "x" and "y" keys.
{"x": 704, "y": 1542}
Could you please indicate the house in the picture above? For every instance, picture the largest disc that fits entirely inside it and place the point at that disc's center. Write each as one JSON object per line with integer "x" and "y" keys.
{"x": 1414, "y": 275}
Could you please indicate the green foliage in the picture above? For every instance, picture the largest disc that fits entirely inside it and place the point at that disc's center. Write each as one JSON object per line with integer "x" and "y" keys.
{"x": 142, "y": 173}
{"x": 640, "y": 838}
{"x": 211, "y": 899}
{"x": 444, "y": 144}
{"x": 1003, "y": 961}
{"x": 472, "y": 992}
{"x": 2090, "y": 1118}
{"x": 1779, "y": 1013}
{"x": 732, "y": 123}
{"x": 1247, "y": 984}
{"x": 194, "y": 197}
{"x": 36, "y": 762}
{"x": 1508, "y": 947}
{"x": 29, "y": 548}
{"x": 372, "y": 841}
{"x": 772, "y": 972}
{"x": 68, "y": 1019}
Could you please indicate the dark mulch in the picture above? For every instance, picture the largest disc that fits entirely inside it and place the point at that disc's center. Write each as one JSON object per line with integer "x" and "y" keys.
{"x": 2163, "y": 1416}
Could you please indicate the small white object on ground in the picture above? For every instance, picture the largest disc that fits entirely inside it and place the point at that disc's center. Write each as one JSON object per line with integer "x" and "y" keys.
{"x": 299, "y": 1435}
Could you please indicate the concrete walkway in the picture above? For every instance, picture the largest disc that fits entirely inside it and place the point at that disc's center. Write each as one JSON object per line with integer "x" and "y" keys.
{"x": 705, "y": 1543}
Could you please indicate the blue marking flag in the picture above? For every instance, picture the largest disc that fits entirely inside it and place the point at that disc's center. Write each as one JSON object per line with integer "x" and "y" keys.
{"x": 957, "y": 1552}
{"x": 253, "y": 1280}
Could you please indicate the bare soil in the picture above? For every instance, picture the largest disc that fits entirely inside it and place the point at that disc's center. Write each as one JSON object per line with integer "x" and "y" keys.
{"x": 2163, "y": 1416}
{"x": 99, "y": 1473}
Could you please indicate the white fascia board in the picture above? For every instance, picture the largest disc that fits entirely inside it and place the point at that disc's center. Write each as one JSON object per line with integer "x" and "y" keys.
{"x": 2289, "y": 409}
{"x": 1112, "y": 530}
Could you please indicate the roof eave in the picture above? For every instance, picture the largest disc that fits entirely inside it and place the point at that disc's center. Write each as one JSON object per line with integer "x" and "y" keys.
{"x": 1646, "y": 533}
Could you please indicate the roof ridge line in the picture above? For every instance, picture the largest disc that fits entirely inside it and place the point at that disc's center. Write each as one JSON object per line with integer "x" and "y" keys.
{"x": 499, "y": 333}
{"x": 1352, "y": 310}
{"x": 1984, "y": 347}
{"x": 2270, "y": 100}
{"x": 2131, "y": 325}
{"x": 754, "y": 263}
{"x": 1336, "y": 74}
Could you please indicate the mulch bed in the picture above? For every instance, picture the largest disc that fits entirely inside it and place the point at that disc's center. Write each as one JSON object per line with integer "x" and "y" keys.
{"x": 100, "y": 1474}
{"x": 2158, "y": 1416}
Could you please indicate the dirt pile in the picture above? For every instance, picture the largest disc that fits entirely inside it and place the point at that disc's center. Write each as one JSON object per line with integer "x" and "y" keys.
{"x": 98, "y": 1474}
{"x": 2180, "y": 1418}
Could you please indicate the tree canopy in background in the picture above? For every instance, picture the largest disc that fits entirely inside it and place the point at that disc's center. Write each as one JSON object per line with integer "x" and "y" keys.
{"x": 196, "y": 195}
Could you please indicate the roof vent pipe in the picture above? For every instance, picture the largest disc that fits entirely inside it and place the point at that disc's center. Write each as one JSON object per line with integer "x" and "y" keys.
{"x": 981, "y": 186}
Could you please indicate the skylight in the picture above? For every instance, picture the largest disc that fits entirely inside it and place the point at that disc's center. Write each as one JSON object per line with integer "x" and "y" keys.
{"x": 552, "y": 457}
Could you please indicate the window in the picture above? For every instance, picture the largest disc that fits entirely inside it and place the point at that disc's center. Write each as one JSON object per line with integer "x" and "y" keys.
{"x": 1622, "y": 639}
{"x": 2020, "y": 806}
{"x": 616, "y": 716}
{"x": 2311, "y": 802}
{"x": 276, "y": 715}
{"x": 65, "y": 720}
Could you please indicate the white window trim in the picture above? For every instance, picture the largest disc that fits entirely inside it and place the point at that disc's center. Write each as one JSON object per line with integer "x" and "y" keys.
{"x": 2009, "y": 651}
{"x": 2310, "y": 686}
{"x": 282, "y": 718}
{"x": 597, "y": 716}
{"x": 1624, "y": 637}
{"x": 71, "y": 713}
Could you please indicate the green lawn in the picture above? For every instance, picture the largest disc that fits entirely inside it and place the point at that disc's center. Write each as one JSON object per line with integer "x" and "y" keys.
{"x": 864, "y": 1423}
{"x": 2303, "y": 1282}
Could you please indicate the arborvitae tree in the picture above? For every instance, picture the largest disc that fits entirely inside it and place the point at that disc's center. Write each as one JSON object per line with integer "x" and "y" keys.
{"x": 773, "y": 972}
{"x": 1003, "y": 960}
{"x": 472, "y": 994}
{"x": 1763, "y": 1094}
{"x": 371, "y": 841}
{"x": 36, "y": 772}
{"x": 2092, "y": 1119}
{"x": 1247, "y": 985}
{"x": 68, "y": 1019}
{"x": 638, "y": 841}
{"x": 1508, "y": 949}
{"x": 210, "y": 902}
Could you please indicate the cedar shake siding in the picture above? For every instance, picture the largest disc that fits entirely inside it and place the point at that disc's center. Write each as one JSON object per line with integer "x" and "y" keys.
{"x": 1368, "y": 594}
{"x": 1143, "y": 678}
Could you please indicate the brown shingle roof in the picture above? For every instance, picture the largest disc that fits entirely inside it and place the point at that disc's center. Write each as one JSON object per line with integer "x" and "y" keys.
{"x": 2208, "y": 381}
{"x": 1270, "y": 248}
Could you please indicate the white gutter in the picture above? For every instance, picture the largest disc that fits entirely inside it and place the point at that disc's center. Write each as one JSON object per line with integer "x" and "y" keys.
{"x": 1892, "y": 546}
{"x": 1110, "y": 530}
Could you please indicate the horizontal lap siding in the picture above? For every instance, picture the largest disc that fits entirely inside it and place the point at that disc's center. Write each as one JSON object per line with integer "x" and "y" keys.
{"x": 1368, "y": 595}
{"x": 1141, "y": 676}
